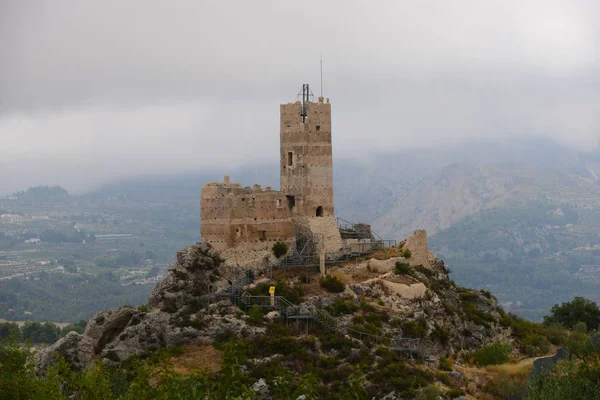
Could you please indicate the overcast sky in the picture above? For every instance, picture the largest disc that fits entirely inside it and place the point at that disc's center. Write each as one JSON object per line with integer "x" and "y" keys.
{"x": 93, "y": 91}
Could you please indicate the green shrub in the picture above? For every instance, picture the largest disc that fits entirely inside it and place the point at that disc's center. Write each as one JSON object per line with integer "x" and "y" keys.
{"x": 454, "y": 393}
{"x": 448, "y": 308}
{"x": 556, "y": 334}
{"x": 425, "y": 271}
{"x": 280, "y": 249}
{"x": 440, "y": 334}
{"x": 472, "y": 313}
{"x": 255, "y": 316}
{"x": 182, "y": 275}
{"x": 407, "y": 254}
{"x": 412, "y": 329}
{"x": 401, "y": 268}
{"x": 343, "y": 306}
{"x": 445, "y": 364}
{"x": 143, "y": 308}
{"x": 429, "y": 392}
{"x": 495, "y": 353}
{"x": 535, "y": 345}
{"x": 444, "y": 378}
{"x": 332, "y": 284}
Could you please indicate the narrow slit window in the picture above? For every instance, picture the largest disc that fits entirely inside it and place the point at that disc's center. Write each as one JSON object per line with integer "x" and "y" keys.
{"x": 290, "y": 158}
{"x": 318, "y": 128}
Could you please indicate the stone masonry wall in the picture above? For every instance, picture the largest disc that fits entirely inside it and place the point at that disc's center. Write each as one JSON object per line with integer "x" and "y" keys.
{"x": 306, "y": 157}
{"x": 245, "y": 218}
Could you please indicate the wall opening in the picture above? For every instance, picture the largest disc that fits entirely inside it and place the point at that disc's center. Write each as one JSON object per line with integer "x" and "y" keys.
{"x": 319, "y": 211}
{"x": 278, "y": 202}
{"x": 291, "y": 202}
{"x": 290, "y": 158}
{"x": 262, "y": 235}
{"x": 318, "y": 128}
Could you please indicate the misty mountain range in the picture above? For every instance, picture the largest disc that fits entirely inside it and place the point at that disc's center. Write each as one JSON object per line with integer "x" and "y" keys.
{"x": 528, "y": 207}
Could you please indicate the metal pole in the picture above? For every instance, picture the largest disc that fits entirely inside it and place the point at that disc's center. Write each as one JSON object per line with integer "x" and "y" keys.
{"x": 321, "y": 74}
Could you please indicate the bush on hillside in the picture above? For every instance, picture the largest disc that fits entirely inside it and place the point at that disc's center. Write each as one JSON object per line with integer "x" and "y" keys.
{"x": 401, "y": 268}
{"x": 535, "y": 345}
{"x": 332, "y": 284}
{"x": 280, "y": 249}
{"x": 255, "y": 316}
{"x": 495, "y": 353}
{"x": 445, "y": 364}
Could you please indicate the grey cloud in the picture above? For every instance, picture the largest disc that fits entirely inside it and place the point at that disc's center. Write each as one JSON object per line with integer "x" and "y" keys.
{"x": 118, "y": 88}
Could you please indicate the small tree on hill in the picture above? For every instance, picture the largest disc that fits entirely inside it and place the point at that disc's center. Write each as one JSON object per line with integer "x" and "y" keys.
{"x": 280, "y": 249}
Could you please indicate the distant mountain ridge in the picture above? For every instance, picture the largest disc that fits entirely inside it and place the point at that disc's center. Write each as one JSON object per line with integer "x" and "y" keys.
{"x": 460, "y": 190}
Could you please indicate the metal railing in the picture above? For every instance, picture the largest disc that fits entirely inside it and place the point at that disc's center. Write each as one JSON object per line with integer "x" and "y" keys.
{"x": 291, "y": 311}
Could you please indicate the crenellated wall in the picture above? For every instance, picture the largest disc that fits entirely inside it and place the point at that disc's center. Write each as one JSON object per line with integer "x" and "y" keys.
{"x": 249, "y": 218}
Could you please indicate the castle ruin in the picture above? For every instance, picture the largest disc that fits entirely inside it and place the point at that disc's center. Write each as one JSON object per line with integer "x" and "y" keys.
{"x": 254, "y": 218}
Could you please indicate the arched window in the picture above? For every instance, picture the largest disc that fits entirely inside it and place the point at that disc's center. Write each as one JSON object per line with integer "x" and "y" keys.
{"x": 319, "y": 211}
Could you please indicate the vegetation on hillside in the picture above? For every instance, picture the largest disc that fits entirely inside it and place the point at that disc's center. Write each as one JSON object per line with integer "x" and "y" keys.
{"x": 51, "y": 296}
{"x": 528, "y": 254}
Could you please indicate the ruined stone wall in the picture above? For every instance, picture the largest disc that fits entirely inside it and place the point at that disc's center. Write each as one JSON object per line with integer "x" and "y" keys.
{"x": 419, "y": 248}
{"x": 306, "y": 158}
{"x": 322, "y": 231}
{"x": 245, "y": 218}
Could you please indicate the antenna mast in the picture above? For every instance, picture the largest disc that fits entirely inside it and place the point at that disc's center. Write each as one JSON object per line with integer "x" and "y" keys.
{"x": 321, "y": 74}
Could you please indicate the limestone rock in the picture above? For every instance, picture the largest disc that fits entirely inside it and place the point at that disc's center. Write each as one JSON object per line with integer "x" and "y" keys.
{"x": 150, "y": 332}
{"x": 106, "y": 325}
{"x": 414, "y": 291}
{"x": 383, "y": 266}
{"x": 272, "y": 315}
{"x": 76, "y": 349}
{"x": 191, "y": 277}
{"x": 262, "y": 389}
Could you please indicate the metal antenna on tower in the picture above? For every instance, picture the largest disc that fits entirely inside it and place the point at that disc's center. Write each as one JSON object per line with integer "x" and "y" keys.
{"x": 321, "y": 74}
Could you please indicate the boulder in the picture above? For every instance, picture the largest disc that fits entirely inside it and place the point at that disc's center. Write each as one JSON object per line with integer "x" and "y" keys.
{"x": 106, "y": 325}
{"x": 151, "y": 332}
{"x": 190, "y": 278}
{"x": 262, "y": 389}
{"x": 76, "y": 349}
{"x": 414, "y": 291}
{"x": 383, "y": 266}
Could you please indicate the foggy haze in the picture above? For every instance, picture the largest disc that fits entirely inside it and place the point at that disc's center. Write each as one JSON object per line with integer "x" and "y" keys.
{"x": 93, "y": 93}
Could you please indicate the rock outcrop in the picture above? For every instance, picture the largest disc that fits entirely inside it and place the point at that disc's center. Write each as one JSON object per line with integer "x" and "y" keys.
{"x": 120, "y": 333}
{"x": 183, "y": 308}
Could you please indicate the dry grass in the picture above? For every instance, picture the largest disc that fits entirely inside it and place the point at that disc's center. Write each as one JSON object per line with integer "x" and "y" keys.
{"x": 521, "y": 369}
{"x": 196, "y": 357}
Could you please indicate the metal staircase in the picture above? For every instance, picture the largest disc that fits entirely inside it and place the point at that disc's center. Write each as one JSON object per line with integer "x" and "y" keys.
{"x": 295, "y": 313}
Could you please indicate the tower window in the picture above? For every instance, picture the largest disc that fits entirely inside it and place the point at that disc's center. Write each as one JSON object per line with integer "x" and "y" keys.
{"x": 290, "y": 158}
{"x": 262, "y": 235}
{"x": 318, "y": 128}
{"x": 291, "y": 202}
{"x": 319, "y": 211}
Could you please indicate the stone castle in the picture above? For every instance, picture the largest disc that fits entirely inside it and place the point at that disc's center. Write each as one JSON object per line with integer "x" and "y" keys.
{"x": 253, "y": 218}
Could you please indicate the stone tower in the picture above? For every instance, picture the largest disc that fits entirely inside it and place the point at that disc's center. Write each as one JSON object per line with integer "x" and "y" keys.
{"x": 306, "y": 157}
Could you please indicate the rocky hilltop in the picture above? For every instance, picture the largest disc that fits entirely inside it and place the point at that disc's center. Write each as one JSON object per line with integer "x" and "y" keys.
{"x": 396, "y": 301}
